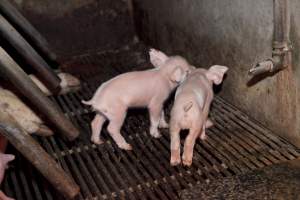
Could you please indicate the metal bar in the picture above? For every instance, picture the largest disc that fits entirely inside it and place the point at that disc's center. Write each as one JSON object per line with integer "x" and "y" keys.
{"x": 234, "y": 148}
{"x": 240, "y": 145}
{"x": 37, "y": 156}
{"x": 256, "y": 129}
{"x": 16, "y": 18}
{"x": 227, "y": 151}
{"x": 76, "y": 171}
{"x": 249, "y": 144}
{"x": 24, "y": 182}
{"x": 138, "y": 178}
{"x": 271, "y": 141}
{"x": 46, "y": 74}
{"x": 109, "y": 180}
{"x": 62, "y": 161}
{"x": 216, "y": 164}
{"x": 220, "y": 150}
{"x": 114, "y": 171}
{"x": 123, "y": 172}
{"x": 146, "y": 165}
{"x": 18, "y": 77}
{"x": 18, "y": 193}
{"x": 35, "y": 187}
{"x": 224, "y": 162}
{"x": 160, "y": 172}
{"x": 6, "y": 187}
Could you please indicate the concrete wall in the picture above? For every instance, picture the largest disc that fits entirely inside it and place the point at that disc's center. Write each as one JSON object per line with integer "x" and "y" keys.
{"x": 79, "y": 26}
{"x": 236, "y": 33}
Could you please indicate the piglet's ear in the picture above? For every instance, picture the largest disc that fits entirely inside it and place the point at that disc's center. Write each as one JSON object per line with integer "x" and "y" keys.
{"x": 157, "y": 58}
{"x": 215, "y": 73}
{"x": 177, "y": 75}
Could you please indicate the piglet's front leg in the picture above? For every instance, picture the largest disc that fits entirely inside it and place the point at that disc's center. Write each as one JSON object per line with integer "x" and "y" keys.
{"x": 155, "y": 114}
{"x": 208, "y": 124}
{"x": 162, "y": 121}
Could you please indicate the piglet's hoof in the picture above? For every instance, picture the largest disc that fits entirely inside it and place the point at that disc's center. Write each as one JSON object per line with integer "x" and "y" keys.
{"x": 175, "y": 161}
{"x": 96, "y": 141}
{"x": 125, "y": 146}
{"x": 203, "y": 137}
{"x": 155, "y": 133}
{"x": 186, "y": 162}
{"x": 163, "y": 124}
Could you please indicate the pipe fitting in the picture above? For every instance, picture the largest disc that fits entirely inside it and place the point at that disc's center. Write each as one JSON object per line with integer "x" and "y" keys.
{"x": 282, "y": 47}
{"x": 270, "y": 65}
{"x": 262, "y": 67}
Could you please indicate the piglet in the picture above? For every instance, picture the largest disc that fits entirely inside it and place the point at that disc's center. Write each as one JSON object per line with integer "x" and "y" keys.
{"x": 190, "y": 110}
{"x": 149, "y": 88}
{"x": 4, "y": 160}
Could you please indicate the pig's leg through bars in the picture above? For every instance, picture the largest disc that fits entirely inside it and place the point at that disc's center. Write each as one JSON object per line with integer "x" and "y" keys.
{"x": 189, "y": 143}
{"x": 97, "y": 124}
{"x": 4, "y": 197}
{"x": 162, "y": 121}
{"x": 175, "y": 146}
{"x": 114, "y": 129}
{"x": 208, "y": 124}
{"x": 155, "y": 114}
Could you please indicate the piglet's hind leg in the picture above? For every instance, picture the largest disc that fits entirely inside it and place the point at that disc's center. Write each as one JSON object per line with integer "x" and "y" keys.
{"x": 114, "y": 129}
{"x": 175, "y": 146}
{"x": 187, "y": 157}
{"x": 97, "y": 124}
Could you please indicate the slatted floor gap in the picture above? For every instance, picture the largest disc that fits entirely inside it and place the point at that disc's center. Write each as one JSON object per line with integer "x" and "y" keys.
{"x": 235, "y": 144}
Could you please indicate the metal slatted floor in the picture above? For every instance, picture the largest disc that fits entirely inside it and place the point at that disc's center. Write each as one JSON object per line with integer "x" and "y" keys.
{"x": 235, "y": 144}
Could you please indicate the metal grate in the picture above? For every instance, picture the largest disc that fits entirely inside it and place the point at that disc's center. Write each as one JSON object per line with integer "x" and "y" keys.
{"x": 235, "y": 144}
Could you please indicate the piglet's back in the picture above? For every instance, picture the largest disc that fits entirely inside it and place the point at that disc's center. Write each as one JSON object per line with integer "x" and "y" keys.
{"x": 126, "y": 86}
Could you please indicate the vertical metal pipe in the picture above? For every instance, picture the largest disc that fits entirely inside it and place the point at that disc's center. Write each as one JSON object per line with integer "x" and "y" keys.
{"x": 25, "y": 85}
{"x": 282, "y": 21}
{"x": 47, "y": 75}
{"x": 282, "y": 48}
{"x": 16, "y": 18}
{"x": 33, "y": 152}
{"x": 282, "y": 56}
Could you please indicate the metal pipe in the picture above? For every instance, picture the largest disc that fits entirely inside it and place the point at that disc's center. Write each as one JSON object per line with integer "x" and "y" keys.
{"x": 281, "y": 55}
{"x": 47, "y": 75}
{"x": 281, "y": 22}
{"x": 21, "y": 23}
{"x": 25, "y": 85}
{"x": 262, "y": 67}
{"x": 40, "y": 159}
